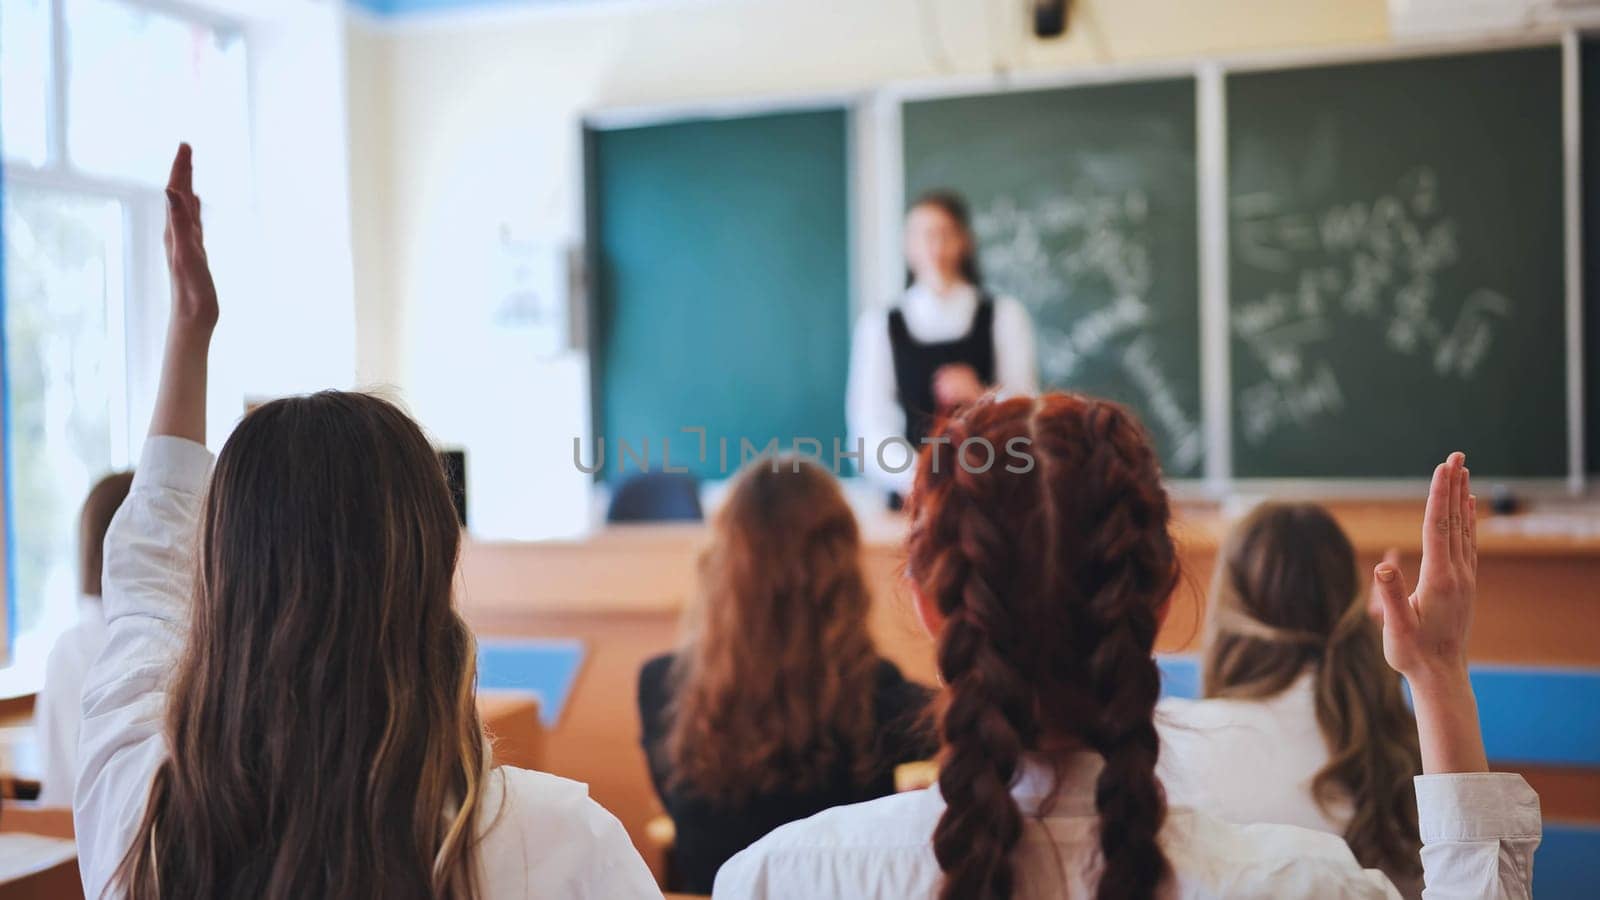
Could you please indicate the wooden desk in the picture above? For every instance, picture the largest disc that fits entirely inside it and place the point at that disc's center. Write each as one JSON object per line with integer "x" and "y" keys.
{"x": 33, "y": 867}
{"x": 622, "y": 591}
{"x": 512, "y": 720}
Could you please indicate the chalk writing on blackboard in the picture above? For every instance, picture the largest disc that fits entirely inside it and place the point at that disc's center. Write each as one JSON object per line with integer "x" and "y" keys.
{"x": 1081, "y": 263}
{"x": 1379, "y": 260}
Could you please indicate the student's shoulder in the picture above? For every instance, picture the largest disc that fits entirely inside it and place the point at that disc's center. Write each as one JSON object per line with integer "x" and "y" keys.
{"x": 888, "y": 675}
{"x": 544, "y": 801}
{"x": 656, "y": 669}
{"x": 1213, "y": 858}
{"x": 655, "y": 681}
{"x": 885, "y": 843}
{"x": 1212, "y": 713}
{"x": 1008, "y": 310}
{"x": 895, "y": 691}
{"x": 544, "y": 831}
{"x": 874, "y": 320}
{"x": 898, "y": 821}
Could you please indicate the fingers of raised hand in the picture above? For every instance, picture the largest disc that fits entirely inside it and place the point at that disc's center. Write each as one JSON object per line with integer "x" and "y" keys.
{"x": 1390, "y": 594}
{"x": 1459, "y": 505}
{"x": 181, "y": 180}
{"x": 1436, "y": 520}
{"x": 183, "y": 207}
{"x": 1472, "y": 529}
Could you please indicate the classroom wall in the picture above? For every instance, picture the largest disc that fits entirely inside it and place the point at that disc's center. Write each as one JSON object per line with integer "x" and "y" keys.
{"x": 465, "y": 124}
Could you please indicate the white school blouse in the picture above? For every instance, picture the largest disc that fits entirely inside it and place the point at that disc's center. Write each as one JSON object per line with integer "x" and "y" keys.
{"x": 59, "y": 706}
{"x": 550, "y": 839}
{"x": 1479, "y": 833}
{"x": 1247, "y": 761}
{"x": 872, "y": 399}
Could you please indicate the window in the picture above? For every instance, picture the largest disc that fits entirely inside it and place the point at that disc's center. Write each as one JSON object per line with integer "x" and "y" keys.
{"x": 94, "y": 96}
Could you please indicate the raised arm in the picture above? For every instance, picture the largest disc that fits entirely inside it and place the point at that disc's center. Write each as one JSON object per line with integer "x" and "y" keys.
{"x": 1425, "y": 632}
{"x": 149, "y": 568}
{"x": 1479, "y": 830}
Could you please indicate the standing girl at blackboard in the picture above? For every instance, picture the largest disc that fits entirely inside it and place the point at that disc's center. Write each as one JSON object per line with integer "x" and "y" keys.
{"x": 940, "y": 345}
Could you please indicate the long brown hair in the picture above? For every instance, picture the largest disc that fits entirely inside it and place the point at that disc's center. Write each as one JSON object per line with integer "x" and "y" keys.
{"x": 773, "y": 684}
{"x": 324, "y": 736}
{"x": 1050, "y": 574}
{"x": 1287, "y": 600}
{"x": 104, "y": 499}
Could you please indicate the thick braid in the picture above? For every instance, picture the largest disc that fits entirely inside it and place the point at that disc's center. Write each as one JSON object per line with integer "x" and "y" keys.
{"x": 1048, "y": 577}
{"x": 1120, "y": 562}
{"x": 988, "y": 718}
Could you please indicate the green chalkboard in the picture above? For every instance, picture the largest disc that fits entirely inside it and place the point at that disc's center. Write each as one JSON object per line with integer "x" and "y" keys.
{"x": 1396, "y": 272}
{"x": 1084, "y": 202}
{"x": 720, "y": 254}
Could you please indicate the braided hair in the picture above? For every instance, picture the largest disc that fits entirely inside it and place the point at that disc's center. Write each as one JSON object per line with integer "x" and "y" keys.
{"x": 1049, "y": 566}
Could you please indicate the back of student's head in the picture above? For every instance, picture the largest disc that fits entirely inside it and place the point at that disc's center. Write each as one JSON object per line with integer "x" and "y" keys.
{"x": 1287, "y": 601}
{"x": 1039, "y": 531}
{"x": 774, "y": 682}
{"x": 324, "y": 738}
{"x": 104, "y": 499}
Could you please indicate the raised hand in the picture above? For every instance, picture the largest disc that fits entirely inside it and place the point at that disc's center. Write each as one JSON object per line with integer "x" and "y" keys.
{"x": 1425, "y": 631}
{"x": 194, "y": 295}
{"x": 180, "y": 409}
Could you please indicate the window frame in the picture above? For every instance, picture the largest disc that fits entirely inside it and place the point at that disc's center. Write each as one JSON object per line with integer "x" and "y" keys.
{"x": 143, "y": 211}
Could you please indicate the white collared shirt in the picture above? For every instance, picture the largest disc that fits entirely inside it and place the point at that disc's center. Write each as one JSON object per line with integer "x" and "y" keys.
{"x": 872, "y": 402}
{"x": 59, "y": 706}
{"x": 1479, "y": 834}
{"x": 545, "y": 837}
{"x": 1247, "y": 761}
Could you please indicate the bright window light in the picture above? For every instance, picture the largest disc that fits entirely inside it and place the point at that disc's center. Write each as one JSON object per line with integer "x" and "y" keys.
{"x": 25, "y": 80}
{"x": 139, "y": 81}
{"x": 64, "y": 293}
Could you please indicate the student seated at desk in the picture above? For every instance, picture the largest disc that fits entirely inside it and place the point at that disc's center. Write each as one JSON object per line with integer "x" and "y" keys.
{"x": 59, "y": 706}
{"x": 777, "y": 705}
{"x": 285, "y": 707}
{"x": 1303, "y": 722}
{"x": 1046, "y": 585}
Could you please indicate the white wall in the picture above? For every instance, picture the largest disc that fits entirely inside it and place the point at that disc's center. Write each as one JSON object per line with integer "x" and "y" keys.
{"x": 466, "y": 124}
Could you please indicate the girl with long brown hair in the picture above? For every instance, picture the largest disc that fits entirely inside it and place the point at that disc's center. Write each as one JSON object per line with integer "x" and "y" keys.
{"x": 1303, "y": 722}
{"x": 285, "y": 707}
{"x": 1045, "y": 580}
{"x": 777, "y": 704}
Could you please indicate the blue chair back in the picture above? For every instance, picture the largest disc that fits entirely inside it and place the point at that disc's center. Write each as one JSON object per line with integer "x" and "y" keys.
{"x": 656, "y": 497}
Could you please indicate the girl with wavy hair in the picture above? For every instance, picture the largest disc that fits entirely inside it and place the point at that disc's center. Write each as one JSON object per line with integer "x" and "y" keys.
{"x": 285, "y": 706}
{"x": 1045, "y": 580}
{"x": 777, "y": 705}
{"x": 1303, "y": 723}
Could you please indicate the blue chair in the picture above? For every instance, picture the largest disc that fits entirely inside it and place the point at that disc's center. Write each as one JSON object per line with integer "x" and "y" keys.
{"x": 656, "y": 497}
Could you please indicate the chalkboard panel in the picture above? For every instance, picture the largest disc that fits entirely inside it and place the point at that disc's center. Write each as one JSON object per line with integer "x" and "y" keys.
{"x": 721, "y": 285}
{"x": 1085, "y": 207}
{"x": 1397, "y": 286}
{"x": 1590, "y": 94}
